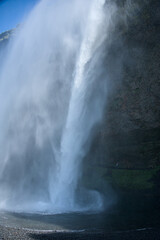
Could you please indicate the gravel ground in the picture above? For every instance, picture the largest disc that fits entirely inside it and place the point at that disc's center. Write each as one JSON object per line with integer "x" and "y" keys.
{"x": 20, "y": 234}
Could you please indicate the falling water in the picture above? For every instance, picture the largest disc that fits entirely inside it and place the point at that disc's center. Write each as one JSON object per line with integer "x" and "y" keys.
{"x": 52, "y": 94}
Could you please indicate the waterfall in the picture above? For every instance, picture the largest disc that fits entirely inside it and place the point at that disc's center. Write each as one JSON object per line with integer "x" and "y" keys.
{"x": 52, "y": 94}
{"x": 74, "y": 135}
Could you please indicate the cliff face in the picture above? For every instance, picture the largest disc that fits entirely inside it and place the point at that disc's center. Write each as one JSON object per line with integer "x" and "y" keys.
{"x": 132, "y": 115}
{"x": 135, "y": 104}
{"x": 4, "y": 41}
{"x": 126, "y": 151}
{"x": 5, "y": 37}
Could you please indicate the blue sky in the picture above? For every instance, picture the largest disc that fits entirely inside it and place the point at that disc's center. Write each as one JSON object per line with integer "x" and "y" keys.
{"x": 12, "y": 12}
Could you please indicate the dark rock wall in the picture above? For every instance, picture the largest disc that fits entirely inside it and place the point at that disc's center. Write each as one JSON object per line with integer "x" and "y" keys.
{"x": 126, "y": 150}
{"x": 131, "y": 127}
{"x": 135, "y": 104}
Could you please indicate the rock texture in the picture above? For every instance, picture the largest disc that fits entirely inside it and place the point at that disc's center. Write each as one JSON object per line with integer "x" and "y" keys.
{"x": 135, "y": 103}
{"x": 126, "y": 151}
{"x": 132, "y": 115}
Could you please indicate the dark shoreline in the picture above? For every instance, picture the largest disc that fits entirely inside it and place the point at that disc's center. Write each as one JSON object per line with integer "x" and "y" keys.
{"x": 7, "y": 233}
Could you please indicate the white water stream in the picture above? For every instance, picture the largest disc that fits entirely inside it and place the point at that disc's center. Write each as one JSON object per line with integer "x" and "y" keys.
{"x": 52, "y": 95}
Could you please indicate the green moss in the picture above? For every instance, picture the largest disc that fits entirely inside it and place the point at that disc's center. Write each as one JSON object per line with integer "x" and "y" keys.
{"x": 134, "y": 179}
{"x": 125, "y": 179}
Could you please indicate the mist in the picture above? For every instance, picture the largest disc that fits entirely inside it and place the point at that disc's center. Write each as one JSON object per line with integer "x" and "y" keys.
{"x": 53, "y": 90}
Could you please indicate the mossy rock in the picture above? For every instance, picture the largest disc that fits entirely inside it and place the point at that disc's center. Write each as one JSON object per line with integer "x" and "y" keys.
{"x": 122, "y": 179}
{"x": 133, "y": 179}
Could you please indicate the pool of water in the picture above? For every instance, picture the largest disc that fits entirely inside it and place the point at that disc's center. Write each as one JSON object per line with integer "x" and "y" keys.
{"x": 132, "y": 212}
